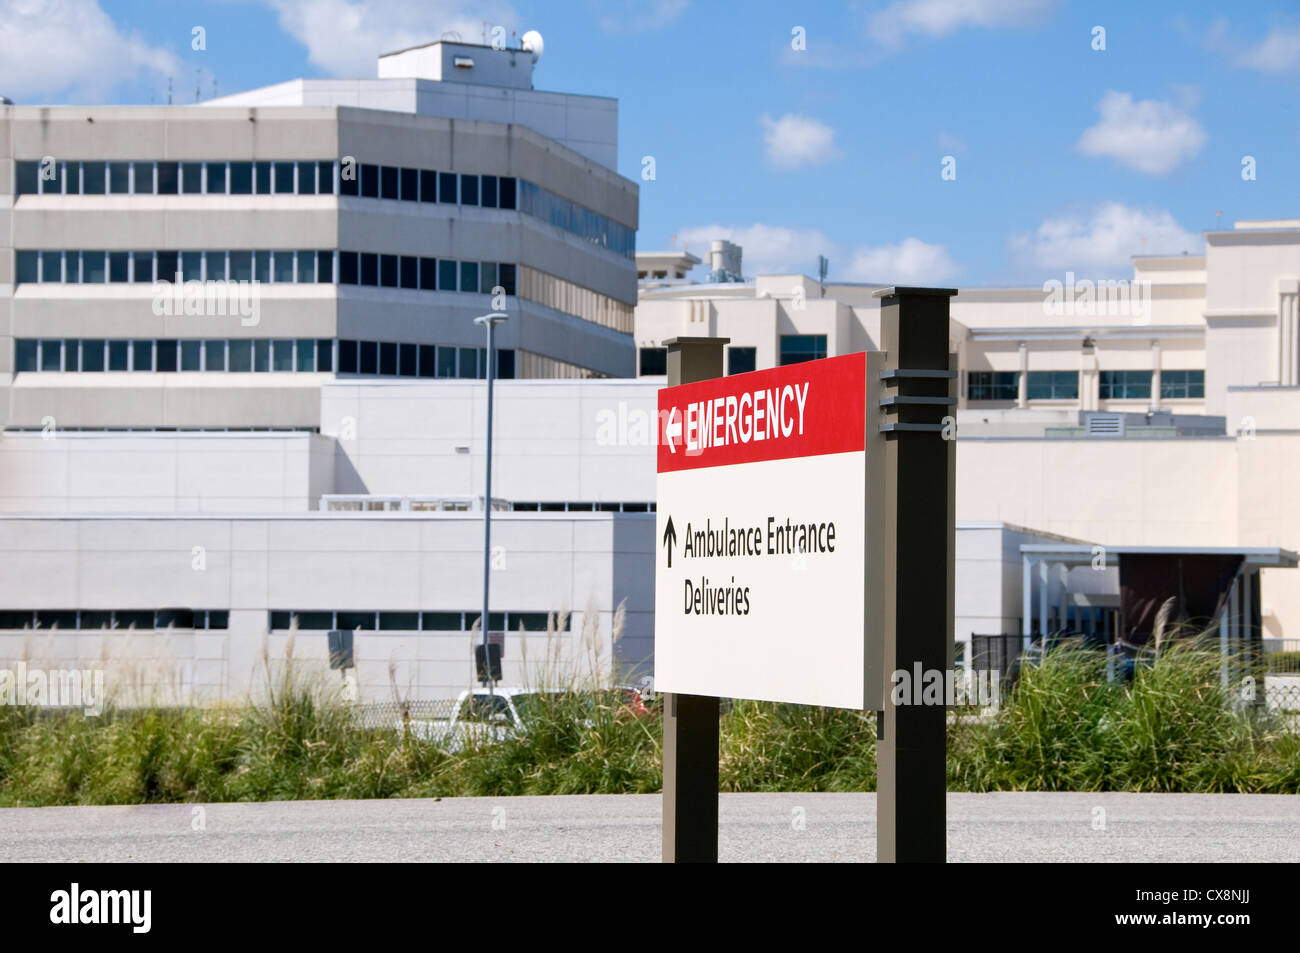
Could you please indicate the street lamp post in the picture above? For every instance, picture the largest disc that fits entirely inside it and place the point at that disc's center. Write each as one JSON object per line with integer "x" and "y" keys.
{"x": 489, "y": 321}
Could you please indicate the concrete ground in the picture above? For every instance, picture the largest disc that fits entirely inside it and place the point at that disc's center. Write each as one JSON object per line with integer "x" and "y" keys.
{"x": 753, "y": 827}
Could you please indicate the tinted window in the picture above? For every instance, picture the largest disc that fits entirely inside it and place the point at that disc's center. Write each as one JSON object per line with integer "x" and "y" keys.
{"x": 506, "y": 275}
{"x": 192, "y": 265}
{"x": 92, "y": 267}
{"x": 654, "y": 361}
{"x": 406, "y": 360}
{"x": 168, "y": 263}
{"x": 369, "y": 357}
{"x": 740, "y": 360}
{"x": 144, "y": 178}
{"x": 191, "y": 357}
{"x": 118, "y": 265}
{"x": 282, "y": 265}
{"x": 51, "y": 355}
{"x": 169, "y": 178}
{"x": 489, "y": 197}
{"x": 369, "y": 268}
{"x": 281, "y": 355}
{"x": 348, "y": 184}
{"x": 348, "y": 268}
{"x": 410, "y": 277}
{"x": 428, "y": 274}
{"x": 241, "y": 178}
{"x": 27, "y": 178}
{"x": 447, "y": 187}
{"x": 469, "y": 190}
{"x": 241, "y": 356}
{"x": 262, "y": 171}
{"x": 388, "y": 358}
{"x": 325, "y": 355}
{"x": 428, "y": 186}
{"x": 428, "y": 360}
{"x": 306, "y": 355}
{"x": 325, "y": 178}
{"x": 217, "y": 178}
{"x": 117, "y": 355}
{"x": 119, "y": 177}
{"x": 142, "y": 355}
{"x": 28, "y": 263}
{"x": 347, "y": 357}
{"x": 214, "y": 355}
{"x": 142, "y": 266}
{"x": 440, "y": 621}
{"x": 241, "y": 266}
{"x": 215, "y": 266}
{"x": 410, "y": 185}
{"x": 506, "y": 192}
{"x": 325, "y": 267}
{"x": 166, "y": 355}
{"x": 469, "y": 276}
{"x": 306, "y": 267}
{"x": 370, "y": 181}
{"x": 388, "y": 271}
{"x": 506, "y": 364}
{"x": 284, "y": 177}
{"x": 92, "y": 355}
{"x": 93, "y": 178}
{"x": 446, "y": 275}
{"x": 192, "y": 177}
{"x": 24, "y": 356}
{"x": 388, "y": 182}
{"x": 306, "y": 178}
{"x": 51, "y": 266}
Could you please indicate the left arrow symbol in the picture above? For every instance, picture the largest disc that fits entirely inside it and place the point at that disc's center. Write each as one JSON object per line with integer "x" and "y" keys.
{"x": 670, "y": 538}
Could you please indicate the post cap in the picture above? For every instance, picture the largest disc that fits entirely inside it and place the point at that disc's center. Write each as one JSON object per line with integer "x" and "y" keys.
{"x": 678, "y": 342}
{"x": 908, "y": 290}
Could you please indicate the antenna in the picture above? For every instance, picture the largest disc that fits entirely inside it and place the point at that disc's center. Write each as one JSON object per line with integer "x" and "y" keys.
{"x": 823, "y": 266}
{"x": 169, "y": 90}
{"x": 197, "y": 81}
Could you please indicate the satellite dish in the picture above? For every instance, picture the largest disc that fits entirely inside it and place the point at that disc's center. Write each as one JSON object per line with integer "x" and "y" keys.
{"x": 532, "y": 43}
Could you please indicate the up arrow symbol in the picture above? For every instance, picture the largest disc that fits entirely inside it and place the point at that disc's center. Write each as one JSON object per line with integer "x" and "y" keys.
{"x": 670, "y": 538}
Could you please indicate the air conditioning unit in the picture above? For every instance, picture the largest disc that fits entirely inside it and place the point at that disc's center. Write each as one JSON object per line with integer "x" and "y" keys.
{"x": 1104, "y": 425}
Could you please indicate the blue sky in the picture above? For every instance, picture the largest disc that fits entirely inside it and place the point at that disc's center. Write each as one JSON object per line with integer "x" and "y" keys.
{"x": 1065, "y": 156}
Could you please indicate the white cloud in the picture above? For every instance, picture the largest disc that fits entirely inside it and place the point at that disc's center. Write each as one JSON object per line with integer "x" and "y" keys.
{"x": 1148, "y": 135}
{"x": 767, "y": 249}
{"x": 346, "y": 37}
{"x": 641, "y": 16}
{"x": 1105, "y": 239}
{"x": 941, "y": 17}
{"x": 796, "y": 142}
{"x": 910, "y": 262}
{"x": 1278, "y": 52}
{"x": 778, "y": 250}
{"x": 70, "y": 48}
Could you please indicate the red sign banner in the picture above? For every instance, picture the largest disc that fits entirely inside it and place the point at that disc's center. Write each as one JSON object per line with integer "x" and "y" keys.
{"x": 801, "y": 410}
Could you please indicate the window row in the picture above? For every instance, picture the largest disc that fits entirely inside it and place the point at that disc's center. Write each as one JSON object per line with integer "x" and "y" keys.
{"x": 385, "y": 358}
{"x": 1064, "y": 385}
{"x": 321, "y": 177}
{"x": 424, "y": 274}
{"x": 583, "y": 507}
{"x": 574, "y": 299}
{"x": 114, "y": 619}
{"x": 653, "y": 361}
{"x": 272, "y": 267}
{"x": 326, "y": 619}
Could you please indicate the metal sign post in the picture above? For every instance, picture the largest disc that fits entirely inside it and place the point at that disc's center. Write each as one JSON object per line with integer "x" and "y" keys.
{"x": 920, "y": 508}
{"x": 690, "y": 746}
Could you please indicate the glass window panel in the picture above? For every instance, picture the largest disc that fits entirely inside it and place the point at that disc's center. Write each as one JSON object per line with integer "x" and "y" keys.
{"x": 93, "y": 268}
{"x": 217, "y": 176}
{"x": 356, "y": 620}
{"x": 92, "y": 355}
{"x": 191, "y": 177}
{"x": 25, "y": 355}
{"x": 261, "y": 356}
{"x": 262, "y": 265}
{"x": 169, "y": 178}
{"x": 306, "y": 267}
{"x": 506, "y": 277}
{"x": 192, "y": 265}
{"x": 406, "y": 360}
{"x": 143, "y": 178}
{"x": 119, "y": 266}
{"x": 284, "y": 178}
{"x": 28, "y": 267}
{"x": 94, "y": 178}
{"x": 487, "y": 277}
{"x": 446, "y": 275}
{"x": 506, "y": 192}
{"x": 388, "y": 271}
{"x": 447, "y": 187}
{"x": 410, "y": 190}
{"x": 165, "y": 356}
{"x": 325, "y": 267}
{"x": 446, "y": 362}
{"x": 654, "y": 361}
{"x": 468, "y": 362}
{"x": 218, "y": 619}
{"x": 469, "y": 190}
{"x": 324, "y": 177}
{"x": 27, "y": 178}
{"x": 349, "y": 183}
{"x": 325, "y": 355}
{"x": 428, "y": 360}
{"x": 428, "y": 274}
{"x": 283, "y": 265}
{"x": 168, "y": 265}
{"x": 428, "y": 186}
{"x": 51, "y": 266}
{"x": 802, "y": 347}
{"x": 347, "y": 357}
{"x": 51, "y": 355}
{"x": 369, "y": 269}
{"x": 388, "y": 182}
{"x": 399, "y": 621}
{"x": 468, "y": 276}
{"x": 410, "y": 272}
{"x": 142, "y": 355}
{"x": 506, "y": 364}
{"x": 241, "y": 178}
{"x": 306, "y": 354}
{"x": 71, "y": 354}
{"x": 119, "y": 177}
{"x": 142, "y": 267}
{"x": 489, "y": 189}
{"x": 740, "y": 360}
{"x": 191, "y": 355}
{"x": 316, "y": 621}
{"x": 241, "y": 266}
{"x": 262, "y": 180}
{"x": 348, "y": 271}
{"x": 118, "y": 355}
{"x": 241, "y": 355}
{"x": 441, "y": 622}
{"x": 214, "y": 355}
{"x": 215, "y": 265}
{"x": 369, "y": 357}
{"x": 370, "y": 181}
{"x": 282, "y": 355}
{"x": 388, "y": 358}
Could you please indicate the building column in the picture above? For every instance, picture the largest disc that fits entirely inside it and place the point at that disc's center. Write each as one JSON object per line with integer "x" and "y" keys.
{"x": 1088, "y": 375}
{"x": 1155, "y": 374}
{"x": 1022, "y": 394}
{"x": 1288, "y": 329}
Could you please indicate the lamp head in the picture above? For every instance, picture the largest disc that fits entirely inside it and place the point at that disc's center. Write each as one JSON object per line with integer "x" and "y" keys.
{"x": 496, "y": 317}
